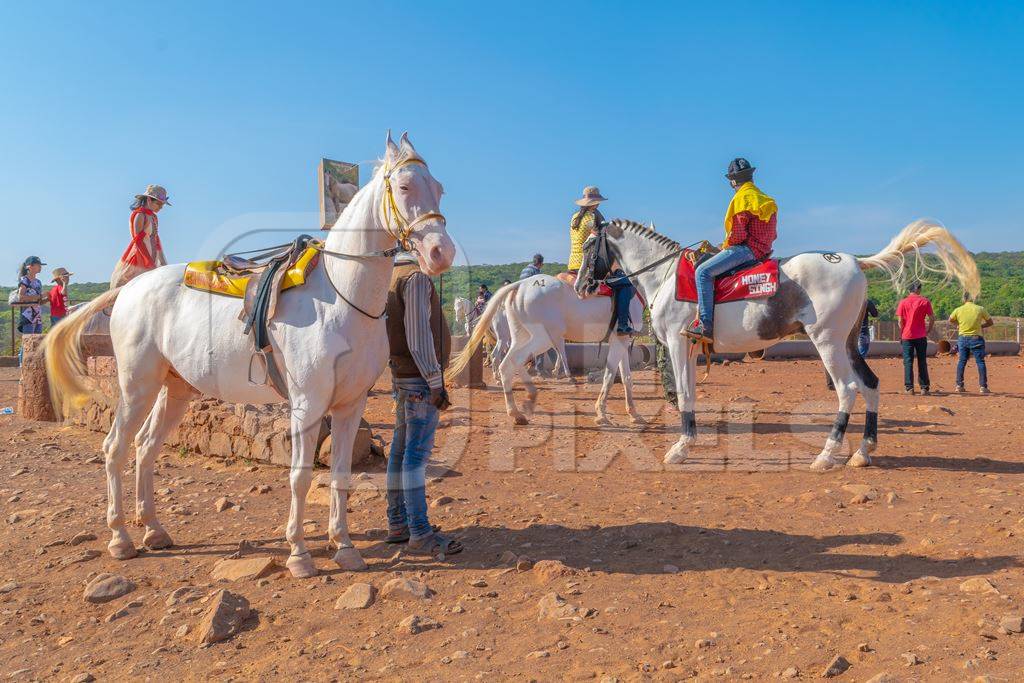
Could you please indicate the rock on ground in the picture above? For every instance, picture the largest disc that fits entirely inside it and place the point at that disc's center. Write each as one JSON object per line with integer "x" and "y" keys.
{"x": 837, "y": 666}
{"x": 405, "y": 589}
{"x": 358, "y": 596}
{"x": 978, "y": 584}
{"x": 546, "y": 570}
{"x": 245, "y": 568}
{"x": 414, "y": 624}
{"x": 223, "y": 618}
{"x": 554, "y": 606}
{"x": 107, "y": 587}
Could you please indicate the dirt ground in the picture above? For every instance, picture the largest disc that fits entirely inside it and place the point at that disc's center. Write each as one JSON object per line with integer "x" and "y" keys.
{"x": 739, "y": 564}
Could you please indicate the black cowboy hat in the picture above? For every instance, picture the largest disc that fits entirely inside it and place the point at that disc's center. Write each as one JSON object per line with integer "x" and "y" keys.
{"x": 740, "y": 168}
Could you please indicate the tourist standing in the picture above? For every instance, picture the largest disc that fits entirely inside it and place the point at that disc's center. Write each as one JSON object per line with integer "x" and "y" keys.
{"x": 864, "y": 338}
{"x": 420, "y": 346}
{"x": 58, "y": 295}
{"x": 916, "y": 319}
{"x": 971, "y": 319}
{"x": 144, "y": 252}
{"x": 30, "y": 291}
{"x": 533, "y": 268}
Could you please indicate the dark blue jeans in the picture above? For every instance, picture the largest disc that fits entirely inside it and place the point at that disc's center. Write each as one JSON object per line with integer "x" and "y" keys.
{"x": 622, "y": 293}
{"x": 720, "y": 263}
{"x": 968, "y": 346}
{"x": 919, "y": 348}
{"x": 415, "y": 424}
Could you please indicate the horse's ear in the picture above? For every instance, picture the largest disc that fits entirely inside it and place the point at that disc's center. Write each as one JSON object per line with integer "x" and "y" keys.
{"x": 391, "y": 149}
{"x": 407, "y": 147}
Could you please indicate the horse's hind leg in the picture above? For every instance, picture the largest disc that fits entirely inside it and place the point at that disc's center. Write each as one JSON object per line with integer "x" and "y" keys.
{"x": 137, "y": 398}
{"x": 867, "y": 382}
{"x": 839, "y": 367}
{"x": 170, "y": 407}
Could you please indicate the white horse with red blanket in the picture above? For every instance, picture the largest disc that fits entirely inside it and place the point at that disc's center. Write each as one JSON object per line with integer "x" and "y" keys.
{"x": 822, "y": 294}
{"x": 543, "y": 312}
{"x": 173, "y": 343}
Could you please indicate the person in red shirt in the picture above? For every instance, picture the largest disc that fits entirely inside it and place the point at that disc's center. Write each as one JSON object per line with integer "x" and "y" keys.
{"x": 916, "y": 319}
{"x": 59, "y": 295}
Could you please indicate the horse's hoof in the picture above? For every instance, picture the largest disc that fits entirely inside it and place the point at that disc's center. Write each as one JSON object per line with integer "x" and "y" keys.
{"x": 637, "y": 420}
{"x": 301, "y": 566}
{"x": 122, "y": 550}
{"x": 859, "y": 459}
{"x": 349, "y": 559}
{"x": 824, "y": 463}
{"x": 602, "y": 421}
{"x": 676, "y": 455}
{"x": 157, "y": 539}
{"x": 520, "y": 419}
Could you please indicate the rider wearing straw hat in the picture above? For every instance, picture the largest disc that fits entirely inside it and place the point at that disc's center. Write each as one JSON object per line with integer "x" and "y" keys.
{"x": 144, "y": 252}
{"x": 583, "y": 222}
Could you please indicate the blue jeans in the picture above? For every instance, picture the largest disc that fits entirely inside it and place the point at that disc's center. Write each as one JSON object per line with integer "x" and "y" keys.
{"x": 720, "y": 263}
{"x": 622, "y": 293}
{"x": 975, "y": 346}
{"x": 863, "y": 344}
{"x": 415, "y": 423}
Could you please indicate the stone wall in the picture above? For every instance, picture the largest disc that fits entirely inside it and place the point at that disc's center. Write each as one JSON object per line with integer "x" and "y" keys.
{"x": 218, "y": 429}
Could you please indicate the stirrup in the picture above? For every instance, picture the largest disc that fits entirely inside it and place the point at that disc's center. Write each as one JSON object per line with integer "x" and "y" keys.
{"x": 262, "y": 355}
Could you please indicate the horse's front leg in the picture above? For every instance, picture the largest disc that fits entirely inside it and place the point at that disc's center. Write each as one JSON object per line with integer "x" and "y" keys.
{"x": 685, "y": 371}
{"x": 344, "y": 427}
{"x": 304, "y": 428}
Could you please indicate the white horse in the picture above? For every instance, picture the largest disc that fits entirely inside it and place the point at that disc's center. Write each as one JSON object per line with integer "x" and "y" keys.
{"x": 822, "y": 294}
{"x": 543, "y": 312}
{"x": 173, "y": 344}
{"x": 462, "y": 308}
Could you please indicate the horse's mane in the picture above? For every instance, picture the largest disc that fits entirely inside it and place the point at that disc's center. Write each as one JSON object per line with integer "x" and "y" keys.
{"x": 645, "y": 232}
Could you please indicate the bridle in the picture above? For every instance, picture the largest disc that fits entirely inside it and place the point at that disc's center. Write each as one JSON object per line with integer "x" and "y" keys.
{"x": 390, "y": 213}
{"x": 603, "y": 259}
{"x": 395, "y": 224}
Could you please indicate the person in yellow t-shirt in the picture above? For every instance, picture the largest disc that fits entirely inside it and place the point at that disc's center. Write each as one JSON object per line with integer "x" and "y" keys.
{"x": 971, "y": 319}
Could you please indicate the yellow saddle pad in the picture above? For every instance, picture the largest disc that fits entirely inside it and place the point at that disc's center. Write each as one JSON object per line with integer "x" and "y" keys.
{"x": 211, "y": 276}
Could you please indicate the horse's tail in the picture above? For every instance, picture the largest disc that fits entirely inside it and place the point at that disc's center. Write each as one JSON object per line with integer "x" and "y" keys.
{"x": 483, "y": 325}
{"x": 955, "y": 262}
{"x": 65, "y": 363}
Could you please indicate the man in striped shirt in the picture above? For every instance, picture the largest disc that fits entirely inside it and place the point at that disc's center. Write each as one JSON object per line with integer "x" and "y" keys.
{"x": 420, "y": 344}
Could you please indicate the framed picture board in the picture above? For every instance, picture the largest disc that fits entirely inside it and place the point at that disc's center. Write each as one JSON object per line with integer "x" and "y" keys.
{"x": 338, "y": 183}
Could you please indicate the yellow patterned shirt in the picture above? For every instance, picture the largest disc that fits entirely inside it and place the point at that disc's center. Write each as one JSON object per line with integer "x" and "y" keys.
{"x": 579, "y": 229}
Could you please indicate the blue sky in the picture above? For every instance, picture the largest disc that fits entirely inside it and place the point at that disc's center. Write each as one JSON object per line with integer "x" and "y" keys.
{"x": 860, "y": 116}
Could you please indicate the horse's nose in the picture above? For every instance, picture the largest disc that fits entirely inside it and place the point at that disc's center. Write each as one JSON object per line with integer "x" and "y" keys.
{"x": 436, "y": 254}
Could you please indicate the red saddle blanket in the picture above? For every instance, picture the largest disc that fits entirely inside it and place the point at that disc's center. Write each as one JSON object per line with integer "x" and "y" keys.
{"x": 758, "y": 281}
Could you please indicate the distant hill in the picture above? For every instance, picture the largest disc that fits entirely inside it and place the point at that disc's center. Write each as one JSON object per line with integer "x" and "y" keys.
{"x": 1002, "y": 288}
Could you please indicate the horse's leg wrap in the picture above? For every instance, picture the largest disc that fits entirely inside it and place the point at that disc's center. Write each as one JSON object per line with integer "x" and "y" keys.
{"x": 689, "y": 420}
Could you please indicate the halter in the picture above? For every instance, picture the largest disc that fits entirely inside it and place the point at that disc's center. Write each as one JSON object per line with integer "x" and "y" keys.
{"x": 390, "y": 213}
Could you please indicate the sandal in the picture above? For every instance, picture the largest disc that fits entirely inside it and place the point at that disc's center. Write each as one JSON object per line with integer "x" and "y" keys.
{"x": 401, "y": 534}
{"x": 437, "y": 545}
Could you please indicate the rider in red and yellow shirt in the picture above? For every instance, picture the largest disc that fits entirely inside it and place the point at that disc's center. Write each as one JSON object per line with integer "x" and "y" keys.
{"x": 749, "y": 234}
